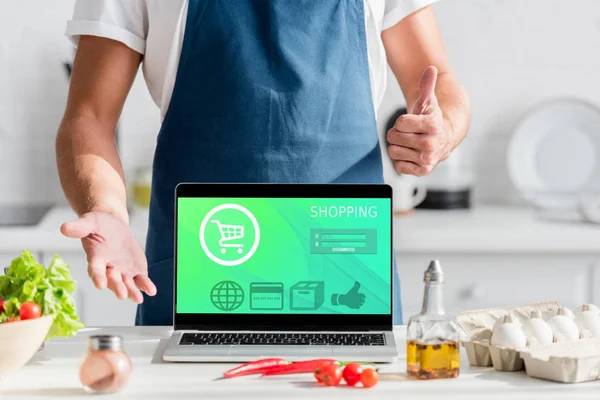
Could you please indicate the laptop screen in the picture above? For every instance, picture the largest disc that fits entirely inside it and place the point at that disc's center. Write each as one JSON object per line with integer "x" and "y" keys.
{"x": 283, "y": 256}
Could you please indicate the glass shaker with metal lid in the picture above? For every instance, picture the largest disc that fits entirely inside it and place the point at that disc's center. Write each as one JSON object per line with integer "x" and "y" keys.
{"x": 106, "y": 367}
{"x": 432, "y": 338}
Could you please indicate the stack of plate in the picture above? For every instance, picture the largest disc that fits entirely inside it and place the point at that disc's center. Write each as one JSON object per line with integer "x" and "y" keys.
{"x": 554, "y": 158}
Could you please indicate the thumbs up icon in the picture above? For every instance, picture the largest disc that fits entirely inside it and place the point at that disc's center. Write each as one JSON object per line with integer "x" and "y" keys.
{"x": 352, "y": 299}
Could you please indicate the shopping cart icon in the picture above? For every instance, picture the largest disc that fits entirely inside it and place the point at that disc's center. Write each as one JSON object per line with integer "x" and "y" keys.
{"x": 230, "y": 233}
{"x": 243, "y": 235}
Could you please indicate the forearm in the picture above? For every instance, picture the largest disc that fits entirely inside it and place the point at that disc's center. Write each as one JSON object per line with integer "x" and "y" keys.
{"x": 89, "y": 167}
{"x": 414, "y": 44}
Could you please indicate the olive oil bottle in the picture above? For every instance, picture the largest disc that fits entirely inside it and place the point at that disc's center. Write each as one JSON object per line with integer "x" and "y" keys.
{"x": 432, "y": 345}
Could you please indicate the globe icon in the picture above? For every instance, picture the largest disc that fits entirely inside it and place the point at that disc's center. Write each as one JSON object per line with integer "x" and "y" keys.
{"x": 227, "y": 295}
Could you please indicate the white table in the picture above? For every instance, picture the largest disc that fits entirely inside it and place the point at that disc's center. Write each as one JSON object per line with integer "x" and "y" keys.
{"x": 53, "y": 374}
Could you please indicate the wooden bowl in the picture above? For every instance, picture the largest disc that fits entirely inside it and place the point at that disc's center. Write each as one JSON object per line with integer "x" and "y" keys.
{"x": 20, "y": 340}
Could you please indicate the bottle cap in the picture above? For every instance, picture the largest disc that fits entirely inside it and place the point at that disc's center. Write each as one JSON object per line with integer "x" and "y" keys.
{"x": 105, "y": 342}
{"x": 434, "y": 272}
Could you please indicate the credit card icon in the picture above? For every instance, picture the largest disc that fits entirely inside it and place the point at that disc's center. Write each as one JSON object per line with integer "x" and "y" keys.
{"x": 266, "y": 296}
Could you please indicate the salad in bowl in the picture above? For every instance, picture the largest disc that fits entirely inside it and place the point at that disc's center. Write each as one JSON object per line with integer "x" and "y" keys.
{"x": 36, "y": 304}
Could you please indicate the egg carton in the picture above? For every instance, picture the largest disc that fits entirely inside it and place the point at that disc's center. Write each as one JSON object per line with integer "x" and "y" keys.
{"x": 477, "y": 327}
{"x": 566, "y": 362}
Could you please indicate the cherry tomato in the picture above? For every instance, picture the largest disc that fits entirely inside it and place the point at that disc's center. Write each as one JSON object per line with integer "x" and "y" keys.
{"x": 30, "y": 310}
{"x": 369, "y": 377}
{"x": 13, "y": 319}
{"x": 318, "y": 373}
{"x": 351, "y": 373}
{"x": 332, "y": 375}
{"x": 1, "y": 306}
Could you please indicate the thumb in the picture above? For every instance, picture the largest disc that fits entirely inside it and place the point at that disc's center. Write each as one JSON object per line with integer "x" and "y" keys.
{"x": 427, "y": 96}
{"x": 355, "y": 288}
{"x": 79, "y": 228}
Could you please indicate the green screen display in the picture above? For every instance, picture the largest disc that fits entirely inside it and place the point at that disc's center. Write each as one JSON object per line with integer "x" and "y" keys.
{"x": 283, "y": 256}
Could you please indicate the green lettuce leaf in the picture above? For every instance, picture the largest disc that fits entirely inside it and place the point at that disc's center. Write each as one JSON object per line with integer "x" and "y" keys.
{"x": 51, "y": 288}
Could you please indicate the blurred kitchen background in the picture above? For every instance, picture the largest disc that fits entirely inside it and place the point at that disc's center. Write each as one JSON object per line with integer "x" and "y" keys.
{"x": 513, "y": 243}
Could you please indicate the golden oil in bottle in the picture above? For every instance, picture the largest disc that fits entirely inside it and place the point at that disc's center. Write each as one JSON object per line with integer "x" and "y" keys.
{"x": 432, "y": 361}
{"x": 432, "y": 337}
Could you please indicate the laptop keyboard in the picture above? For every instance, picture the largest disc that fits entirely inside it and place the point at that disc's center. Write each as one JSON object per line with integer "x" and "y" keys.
{"x": 306, "y": 339}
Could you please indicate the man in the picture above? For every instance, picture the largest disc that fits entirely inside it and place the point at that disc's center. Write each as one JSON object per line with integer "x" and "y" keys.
{"x": 250, "y": 91}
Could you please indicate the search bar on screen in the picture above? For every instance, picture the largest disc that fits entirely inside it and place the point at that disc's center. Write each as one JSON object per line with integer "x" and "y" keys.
{"x": 348, "y": 241}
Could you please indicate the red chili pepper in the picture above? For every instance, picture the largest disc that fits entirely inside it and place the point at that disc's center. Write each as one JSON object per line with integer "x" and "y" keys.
{"x": 255, "y": 367}
{"x": 300, "y": 367}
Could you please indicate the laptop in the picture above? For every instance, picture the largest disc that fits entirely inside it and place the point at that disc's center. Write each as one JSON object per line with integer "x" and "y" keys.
{"x": 298, "y": 271}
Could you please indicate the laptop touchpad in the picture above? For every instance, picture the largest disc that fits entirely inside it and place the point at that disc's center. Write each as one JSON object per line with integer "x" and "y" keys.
{"x": 279, "y": 351}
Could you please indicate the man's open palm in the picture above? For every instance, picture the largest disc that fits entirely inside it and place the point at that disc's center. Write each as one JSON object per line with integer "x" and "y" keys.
{"x": 115, "y": 258}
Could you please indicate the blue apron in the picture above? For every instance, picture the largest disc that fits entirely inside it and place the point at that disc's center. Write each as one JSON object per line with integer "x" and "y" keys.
{"x": 266, "y": 91}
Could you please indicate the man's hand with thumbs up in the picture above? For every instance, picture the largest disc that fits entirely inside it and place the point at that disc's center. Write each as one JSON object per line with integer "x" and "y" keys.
{"x": 421, "y": 139}
{"x": 438, "y": 106}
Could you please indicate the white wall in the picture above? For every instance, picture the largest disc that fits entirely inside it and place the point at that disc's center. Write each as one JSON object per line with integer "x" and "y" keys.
{"x": 510, "y": 55}
{"x": 33, "y": 93}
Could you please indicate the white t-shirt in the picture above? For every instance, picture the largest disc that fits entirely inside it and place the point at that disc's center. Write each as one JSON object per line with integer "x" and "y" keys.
{"x": 155, "y": 28}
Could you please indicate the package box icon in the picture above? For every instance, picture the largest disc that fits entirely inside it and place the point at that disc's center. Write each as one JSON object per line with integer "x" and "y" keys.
{"x": 307, "y": 295}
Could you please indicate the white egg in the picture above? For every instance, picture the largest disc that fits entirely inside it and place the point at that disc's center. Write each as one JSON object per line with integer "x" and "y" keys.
{"x": 588, "y": 321}
{"x": 567, "y": 312}
{"x": 537, "y": 331}
{"x": 500, "y": 320}
{"x": 587, "y": 307}
{"x": 536, "y": 314}
{"x": 508, "y": 334}
{"x": 563, "y": 328}
{"x": 561, "y": 311}
{"x": 559, "y": 338}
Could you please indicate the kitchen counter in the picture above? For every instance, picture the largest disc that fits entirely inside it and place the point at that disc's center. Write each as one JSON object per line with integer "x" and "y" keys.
{"x": 53, "y": 374}
{"x": 483, "y": 229}
{"x": 488, "y": 229}
{"x": 46, "y": 236}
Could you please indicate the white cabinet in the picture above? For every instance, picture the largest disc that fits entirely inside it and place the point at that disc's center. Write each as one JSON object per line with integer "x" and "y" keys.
{"x": 5, "y": 259}
{"x": 95, "y": 307}
{"x": 595, "y": 283}
{"x": 475, "y": 281}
